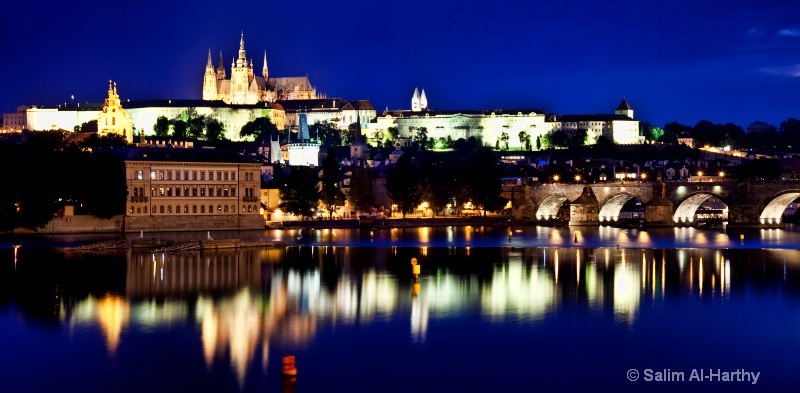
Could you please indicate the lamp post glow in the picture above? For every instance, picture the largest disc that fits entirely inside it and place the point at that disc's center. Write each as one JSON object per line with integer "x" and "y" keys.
{"x": 555, "y": 178}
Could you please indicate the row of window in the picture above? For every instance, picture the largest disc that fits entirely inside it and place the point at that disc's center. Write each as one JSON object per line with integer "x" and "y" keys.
{"x": 178, "y": 209}
{"x": 189, "y": 175}
{"x": 186, "y": 191}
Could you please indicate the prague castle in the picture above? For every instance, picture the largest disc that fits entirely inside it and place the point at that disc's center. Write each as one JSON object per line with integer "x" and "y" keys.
{"x": 245, "y": 88}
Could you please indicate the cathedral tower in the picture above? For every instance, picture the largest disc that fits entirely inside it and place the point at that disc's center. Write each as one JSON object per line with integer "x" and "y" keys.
{"x": 423, "y": 101}
{"x": 210, "y": 81}
{"x": 415, "y": 104}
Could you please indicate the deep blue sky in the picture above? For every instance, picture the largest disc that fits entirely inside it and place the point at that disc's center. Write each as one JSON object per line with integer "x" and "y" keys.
{"x": 720, "y": 60}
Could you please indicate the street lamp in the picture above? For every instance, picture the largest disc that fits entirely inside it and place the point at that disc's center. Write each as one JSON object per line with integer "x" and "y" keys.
{"x": 721, "y": 173}
{"x": 644, "y": 176}
{"x": 699, "y": 173}
{"x": 577, "y": 178}
{"x": 555, "y": 178}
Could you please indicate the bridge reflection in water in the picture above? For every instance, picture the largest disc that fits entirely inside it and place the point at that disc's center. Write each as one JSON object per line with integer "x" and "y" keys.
{"x": 244, "y": 302}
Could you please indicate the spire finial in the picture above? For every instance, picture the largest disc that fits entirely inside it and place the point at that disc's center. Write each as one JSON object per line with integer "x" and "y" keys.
{"x": 209, "y": 64}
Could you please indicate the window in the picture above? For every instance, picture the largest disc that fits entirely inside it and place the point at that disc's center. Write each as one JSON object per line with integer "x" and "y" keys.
{"x": 233, "y": 209}
{"x": 202, "y": 191}
{"x": 219, "y": 191}
{"x": 210, "y": 209}
{"x": 233, "y": 175}
{"x": 185, "y": 175}
{"x": 152, "y": 175}
{"x": 161, "y": 209}
{"x": 202, "y": 208}
{"x": 160, "y": 175}
{"x": 169, "y": 191}
{"x": 185, "y": 191}
{"x": 177, "y": 209}
{"x": 219, "y": 209}
{"x": 219, "y": 175}
{"x": 139, "y": 210}
{"x": 202, "y": 175}
{"x": 145, "y": 209}
{"x": 194, "y": 209}
{"x": 211, "y": 191}
{"x": 194, "y": 175}
{"x": 169, "y": 175}
{"x": 160, "y": 191}
{"x": 177, "y": 191}
{"x": 135, "y": 192}
{"x": 226, "y": 175}
{"x": 138, "y": 175}
{"x": 233, "y": 192}
{"x": 131, "y": 209}
{"x": 169, "y": 208}
{"x": 226, "y": 208}
{"x": 185, "y": 208}
{"x": 249, "y": 208}
{"x": 194, "y": 191}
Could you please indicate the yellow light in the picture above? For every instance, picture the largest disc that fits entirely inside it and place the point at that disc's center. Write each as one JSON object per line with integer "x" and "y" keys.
{"x": 699, "y": 173}
{"x": 644, "y": 176}
{"x": 721, "y": 173}
{"x": 577, "y": 177}
{"x": 555, "y": 177}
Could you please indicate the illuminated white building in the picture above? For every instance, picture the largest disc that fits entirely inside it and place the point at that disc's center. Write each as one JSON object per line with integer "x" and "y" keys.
{"x": 490, "y": 125}
{"x": 113, "y": 118}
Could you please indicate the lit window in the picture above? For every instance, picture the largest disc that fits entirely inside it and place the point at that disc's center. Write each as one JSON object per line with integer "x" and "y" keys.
{"x": 169, "y": 209}
{"x": 152, "y": 175}
{"x": 226, "y": 208}
{"x": 177, "y": 209}
{"x": 219, "y": 209}
{"x": 202, "y": 191}
{"x": 185, "y": 208}
{"x": 160, "y": 175}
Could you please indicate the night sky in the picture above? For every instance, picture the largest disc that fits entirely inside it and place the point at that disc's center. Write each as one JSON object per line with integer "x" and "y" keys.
{"x": 724, "y": 61}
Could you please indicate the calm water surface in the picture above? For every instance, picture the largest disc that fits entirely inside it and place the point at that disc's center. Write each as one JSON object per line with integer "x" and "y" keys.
{"x": 539, "y": 312}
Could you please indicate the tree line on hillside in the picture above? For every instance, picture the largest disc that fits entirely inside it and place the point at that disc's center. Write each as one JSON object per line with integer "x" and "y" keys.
{"x": 467, "y": 175}
{"x": 43, "y": 175}
{"x": 785, "y": 138}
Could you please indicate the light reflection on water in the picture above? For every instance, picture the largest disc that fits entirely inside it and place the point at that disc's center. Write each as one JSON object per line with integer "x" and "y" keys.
{"x": 239, "y": 305}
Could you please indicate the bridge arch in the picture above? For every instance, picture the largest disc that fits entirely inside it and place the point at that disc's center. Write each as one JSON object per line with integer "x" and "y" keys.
{"x": 687, "y": 209}
{"x": 773, "y": 211}
{"x": 612, "y": 207}
{"x": 549, "y": 207}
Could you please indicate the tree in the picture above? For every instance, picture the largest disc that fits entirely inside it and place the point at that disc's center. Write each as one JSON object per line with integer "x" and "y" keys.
{"x": 655, "y": 133}
{"x": 437, "y": 180}
{"x": 360, "y": 195}
{"x": 88, "y": 127}
{"x": 300, "y": 194}
{"x": 349, "y": 135}
{"x": 330, "y": 192}
{"x": 484, "y": 181}
{"x": 95, "y": 141}
{"x": 402, "y": 185}
{"x": 504, "y": 138}
{"x": 161, "y": 128}
{"x": 215, "y": 131}
{"x": 195, "y": 127}
{"x": 327, "y": 133}
{"x": 392, "y": 134}
{"x": 259, "y": 129}
{"x": 525, "y": 139}
{"x": 179, "y": 130}
{"x": 421, "y": 137}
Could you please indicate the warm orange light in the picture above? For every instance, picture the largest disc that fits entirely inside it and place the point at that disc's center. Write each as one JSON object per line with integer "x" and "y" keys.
{"x": 699, "y": 173}
{"x": 555, "y": 177}
{"x": 721, "y": 174}
{"x": 577, "y": 177}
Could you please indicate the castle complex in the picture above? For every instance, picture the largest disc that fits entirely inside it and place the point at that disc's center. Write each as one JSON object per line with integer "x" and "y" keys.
{"x": 244, "y": 88}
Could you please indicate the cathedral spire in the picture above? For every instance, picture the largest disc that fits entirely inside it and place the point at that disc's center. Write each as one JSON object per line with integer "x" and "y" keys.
{"x": 209, "y": 64}
{"x": 242, "y": 61}
{"x": 265, "y": 70}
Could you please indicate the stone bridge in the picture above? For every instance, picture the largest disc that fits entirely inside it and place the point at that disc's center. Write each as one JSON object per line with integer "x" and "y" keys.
{"x": 749, "y": 204}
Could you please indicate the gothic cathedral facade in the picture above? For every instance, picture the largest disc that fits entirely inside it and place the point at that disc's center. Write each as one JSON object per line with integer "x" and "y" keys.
{"x": 245, "y": 88}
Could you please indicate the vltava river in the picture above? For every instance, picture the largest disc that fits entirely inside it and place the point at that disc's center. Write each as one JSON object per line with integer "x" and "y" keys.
{"x": 701, "y": 310}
